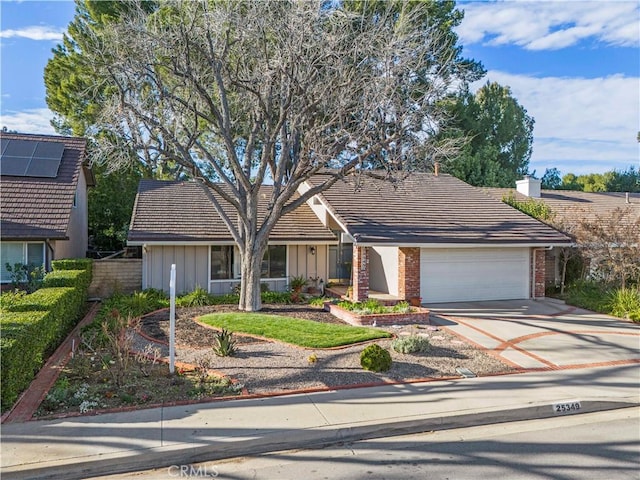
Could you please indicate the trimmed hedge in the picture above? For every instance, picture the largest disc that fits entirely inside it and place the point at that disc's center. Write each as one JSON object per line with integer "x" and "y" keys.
{"x": 25, "y": 336}
{"x": 33, "y": 326}
{"x": 67, "y": 278}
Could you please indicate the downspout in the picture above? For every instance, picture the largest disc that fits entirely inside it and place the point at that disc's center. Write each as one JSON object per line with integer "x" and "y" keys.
{"x": 48, "y": 258}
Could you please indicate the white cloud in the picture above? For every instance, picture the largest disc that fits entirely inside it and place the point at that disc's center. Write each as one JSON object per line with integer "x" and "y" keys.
{"x": 550, "y": 25}
{"x": 34, "y": 33}
{"x": 583, "y": 122}
{"x": 28, "y": 121}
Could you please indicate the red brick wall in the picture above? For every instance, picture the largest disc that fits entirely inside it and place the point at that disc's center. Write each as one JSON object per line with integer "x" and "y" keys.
{"x": 538, "y": 268}
{"x": 360, "y": 273}
{"x": 408, "y": 273}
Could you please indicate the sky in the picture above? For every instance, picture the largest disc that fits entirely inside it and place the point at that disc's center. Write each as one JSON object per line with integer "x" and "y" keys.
{"x": 574, "y": 65}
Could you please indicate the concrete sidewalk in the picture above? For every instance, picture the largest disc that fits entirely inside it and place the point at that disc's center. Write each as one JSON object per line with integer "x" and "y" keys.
{"x": 82, "y": 447}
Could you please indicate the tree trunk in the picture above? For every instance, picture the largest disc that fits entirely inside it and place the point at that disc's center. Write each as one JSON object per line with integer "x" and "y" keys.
{"x": 563, "y": 275}
{"x": 251, "y": 265}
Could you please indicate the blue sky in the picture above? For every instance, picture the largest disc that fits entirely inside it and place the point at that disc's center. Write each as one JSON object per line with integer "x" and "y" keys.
{"x": 574, "y": 65}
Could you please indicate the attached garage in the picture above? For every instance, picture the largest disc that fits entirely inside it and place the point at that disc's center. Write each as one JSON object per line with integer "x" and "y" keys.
{"x": 471, "y": 274}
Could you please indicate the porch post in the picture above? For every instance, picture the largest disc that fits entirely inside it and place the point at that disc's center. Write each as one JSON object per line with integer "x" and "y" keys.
{"x": 360, "y": 273}
{"x": 538, "y": 264}
{"x": 408, "y": 273}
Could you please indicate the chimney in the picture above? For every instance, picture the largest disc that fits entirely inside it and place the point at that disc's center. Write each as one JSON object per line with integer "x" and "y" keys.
{"x": 436, "y": 168}
{"x": 529, "y": 187}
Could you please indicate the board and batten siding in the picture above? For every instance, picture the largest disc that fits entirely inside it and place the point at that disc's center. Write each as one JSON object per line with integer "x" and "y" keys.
{"x": 192, "y": 267}
{"x": 302, "y": 263}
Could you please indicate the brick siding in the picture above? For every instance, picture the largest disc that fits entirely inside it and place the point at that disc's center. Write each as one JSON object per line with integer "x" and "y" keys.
{"x": 408, "y": 273}
{"x": 115, "y": 275}
{"x": 538, "y": 267}
{"x": 360, "y": 273}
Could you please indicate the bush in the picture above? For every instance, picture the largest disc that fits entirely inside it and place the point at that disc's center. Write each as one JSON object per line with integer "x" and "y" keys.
{"x": 198, "y": 298}
{"x": 67, "y": 278}
{"x": 318, "y": 302}
{"x": 375, "y": 358}
{"x": 411, "y": 344}
{"x": 276, "y": 297}
{"x": 33, "y": 325}
{"x": 625, "y": 303}
{"x": 7, "y": 299}
{"x": 25, "y": 337}
{"x": 590, "y": 295}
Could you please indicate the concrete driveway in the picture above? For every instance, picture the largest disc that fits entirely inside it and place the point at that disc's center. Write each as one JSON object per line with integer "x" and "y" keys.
{"x": 542, "y": 334}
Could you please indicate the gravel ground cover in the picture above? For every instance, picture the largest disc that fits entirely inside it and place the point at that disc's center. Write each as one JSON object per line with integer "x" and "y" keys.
{"x": 264, "y": 366}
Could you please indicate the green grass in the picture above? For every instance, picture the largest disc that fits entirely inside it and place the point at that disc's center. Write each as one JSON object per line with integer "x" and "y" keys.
{"x": 304, "y": 333}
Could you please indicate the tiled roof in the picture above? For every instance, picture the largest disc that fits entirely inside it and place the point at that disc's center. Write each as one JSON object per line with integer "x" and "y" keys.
{"x": 426, "y": 209}
{"x": 35, "y": 208}
{"x": 181, "y": 212}
{"x": 571, "y": 206}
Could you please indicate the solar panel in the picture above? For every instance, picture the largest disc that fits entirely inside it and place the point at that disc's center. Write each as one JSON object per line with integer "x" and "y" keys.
{"x": 29, "y": 158}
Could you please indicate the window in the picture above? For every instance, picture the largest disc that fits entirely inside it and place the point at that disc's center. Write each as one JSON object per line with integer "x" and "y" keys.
{"x": 221, "y": 262}
{"x": 274, "y": 263}
{"x": 19, "y": 252}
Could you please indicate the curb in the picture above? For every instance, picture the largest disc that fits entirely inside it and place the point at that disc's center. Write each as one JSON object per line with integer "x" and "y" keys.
{"x": 319, "y": 437}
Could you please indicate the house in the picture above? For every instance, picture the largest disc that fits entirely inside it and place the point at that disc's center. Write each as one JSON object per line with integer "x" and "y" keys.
{"x": 43, "y": 207}
{"x": 429, "y": 236}
{"x": 569, "y": 208}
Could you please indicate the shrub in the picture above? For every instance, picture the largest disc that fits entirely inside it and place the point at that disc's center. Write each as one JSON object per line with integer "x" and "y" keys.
{"x": 375, "y": 358}
{"x": 225, "y": 345}
{"x": 588, "y": 294}
{"x": 318, "y": 302}
{"x": 67, "y": 278}
{"x": 73, "y": 264}
{"x": 198, "y": 298}
{"x": 625, "y": 303}
{"x": 276, "y": 297}
{"x": 8, "y": 299}
{"x": 411, "y": 344}
{"x": 25, "y": 337}
{"x": 401, "y": 307}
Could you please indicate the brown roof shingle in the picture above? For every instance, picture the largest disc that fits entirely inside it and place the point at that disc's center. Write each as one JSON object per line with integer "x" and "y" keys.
{"x": 181, "y": 212}
{"x": 571, "y": 206}
{"x": 37, "y": 208}
{"x": 426, "y": 209}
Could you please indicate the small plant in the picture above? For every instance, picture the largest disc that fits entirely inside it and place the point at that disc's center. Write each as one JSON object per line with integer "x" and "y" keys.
{"x": 25, "y": 277}
{"x": 411, "y": 344}
{"x": 296, "y": 284}
{"x": 625, "y": 303}
{"x": 375, "y": 358}
{"x": 225, "y": 345}
{"x": 318, "y": 302}
{"x": 312, "y": 359}
{"x": 198, "y": 298}
{"x": 401, "y": 307}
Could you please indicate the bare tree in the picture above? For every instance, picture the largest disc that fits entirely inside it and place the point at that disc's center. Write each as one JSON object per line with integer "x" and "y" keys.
{"x": 612, "y": 244}
{"x": 243, "y": 93}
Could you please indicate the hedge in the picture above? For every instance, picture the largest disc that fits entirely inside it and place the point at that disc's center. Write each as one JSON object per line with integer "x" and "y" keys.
{"x": 33, "y": 326}
{"x": 23, "y": 343}
{"x": 67, "y": 278}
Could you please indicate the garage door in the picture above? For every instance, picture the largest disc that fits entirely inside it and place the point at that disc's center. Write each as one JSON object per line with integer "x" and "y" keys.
{"x": 469, "y": 274}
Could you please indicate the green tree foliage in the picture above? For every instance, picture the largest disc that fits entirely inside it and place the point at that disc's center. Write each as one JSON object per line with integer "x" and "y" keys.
{"x": 612, "y": 181}
{"x": 499, "y": 134}
{"x": 110, "y": 206}
{"x": 241, "y": 92}
{"x": 551, "y": 179}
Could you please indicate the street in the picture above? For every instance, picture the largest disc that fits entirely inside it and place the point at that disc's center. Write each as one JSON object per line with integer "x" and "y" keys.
{"x": 603, "y": 445}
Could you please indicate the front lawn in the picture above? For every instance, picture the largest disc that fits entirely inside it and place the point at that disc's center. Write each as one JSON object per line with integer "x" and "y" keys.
{"x": 303, "y": 333}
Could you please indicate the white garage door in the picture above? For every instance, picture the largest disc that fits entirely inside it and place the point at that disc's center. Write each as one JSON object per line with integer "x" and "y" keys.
{"x": 469, "y": 274}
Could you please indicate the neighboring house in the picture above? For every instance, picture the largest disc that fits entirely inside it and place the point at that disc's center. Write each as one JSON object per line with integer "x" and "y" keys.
{"x": 568, "y": 209}
{"x": 433, "y": 237}
{"x": 43, "y": 203}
